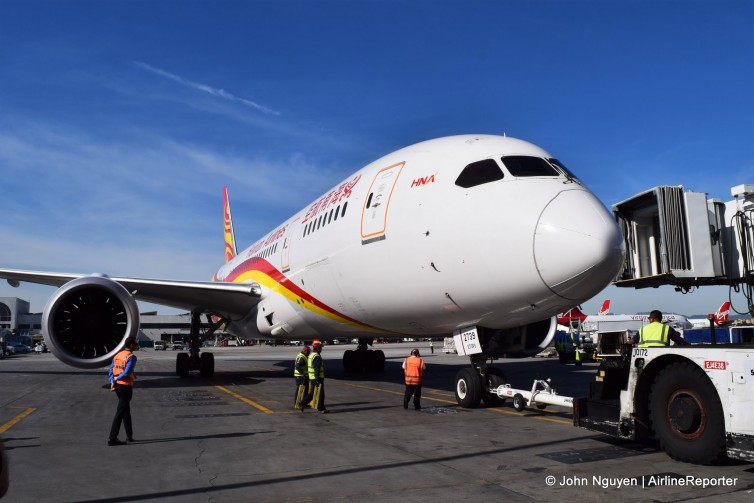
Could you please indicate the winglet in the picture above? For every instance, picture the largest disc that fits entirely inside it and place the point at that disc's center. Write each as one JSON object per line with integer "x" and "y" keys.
{"x": 230, "y": 237}
{"x": 605, "y": 309}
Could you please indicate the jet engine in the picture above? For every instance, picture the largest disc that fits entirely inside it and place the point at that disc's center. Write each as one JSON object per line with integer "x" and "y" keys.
{"x": 88, "y": 319}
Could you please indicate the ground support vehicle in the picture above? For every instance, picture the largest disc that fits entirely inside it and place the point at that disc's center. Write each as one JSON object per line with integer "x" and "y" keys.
{"x": 567, "y": 344}
{"x": 449, "y": 345}
{"x": 697, "y": 401}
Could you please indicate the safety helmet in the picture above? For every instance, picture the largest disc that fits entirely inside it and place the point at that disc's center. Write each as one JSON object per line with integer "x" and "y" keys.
{"x": 316, "y": 343}
{"x": 415, "y": 352}
{"x": 305, "y": 350}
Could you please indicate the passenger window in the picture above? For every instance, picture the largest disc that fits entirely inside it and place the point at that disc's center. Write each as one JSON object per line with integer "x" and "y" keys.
{"x": 522, "y": 166}
{"x": 478, "y": 173}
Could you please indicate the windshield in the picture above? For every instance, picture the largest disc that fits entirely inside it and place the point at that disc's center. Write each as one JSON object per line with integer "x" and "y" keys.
{"x": 523, "y": 166}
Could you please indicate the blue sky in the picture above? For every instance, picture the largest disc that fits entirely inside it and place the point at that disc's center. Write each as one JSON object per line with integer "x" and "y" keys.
{"x": 121, "y": 120}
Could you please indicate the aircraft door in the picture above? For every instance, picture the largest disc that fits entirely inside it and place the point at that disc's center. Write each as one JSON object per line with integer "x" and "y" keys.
{"x": 374, "y": 213}
{"x": 285, "y": 254}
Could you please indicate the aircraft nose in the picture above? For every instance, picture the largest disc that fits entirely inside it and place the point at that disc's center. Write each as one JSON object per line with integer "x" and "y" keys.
{"x": 578, "y": 247}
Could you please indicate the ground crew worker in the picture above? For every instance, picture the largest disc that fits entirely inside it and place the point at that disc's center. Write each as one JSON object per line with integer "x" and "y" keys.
{"x": 122, "y": 383}
{"x": 431, "y": 347}
{"x": 316, "y": 394}
{"x": 413, "y": 368}
{"x": 577, "y": 353}
{"x": 658, "y": 335}
{"x": 301, "y": 373}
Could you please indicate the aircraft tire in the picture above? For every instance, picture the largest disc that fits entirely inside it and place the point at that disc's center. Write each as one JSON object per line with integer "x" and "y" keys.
{"x": 182, "y": 365}
{"x": 350, "y": 361}
{"x": 495, "y": 378}
{"x": 376, "y": 360}
{"x": 687, "y": 416}
{"x": 468, "y": 388}
{"x": 207, "y": 365}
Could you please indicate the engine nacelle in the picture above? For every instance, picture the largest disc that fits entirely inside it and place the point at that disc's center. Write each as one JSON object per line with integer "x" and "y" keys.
{"x": 522, "y": 341}
{"x": 87, "y": 321}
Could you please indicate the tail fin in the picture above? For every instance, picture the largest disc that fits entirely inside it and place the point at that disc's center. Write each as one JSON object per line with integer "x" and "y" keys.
{"x": 605, "y": 309}
{"x": 722, "y": 316}
{"x": 572, "y": 316}
{"x": 230, "y": 237}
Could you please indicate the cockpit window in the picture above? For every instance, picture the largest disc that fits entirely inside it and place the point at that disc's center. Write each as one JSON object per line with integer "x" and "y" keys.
{"x": 478, "y": 173}
{"x": 522, "y": 166}
{"x": 565, "y": 170}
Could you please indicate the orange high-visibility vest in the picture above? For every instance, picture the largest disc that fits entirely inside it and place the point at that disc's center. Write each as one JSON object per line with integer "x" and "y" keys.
{"x": 119, "y": 366}
{"x": 414, "y": 369}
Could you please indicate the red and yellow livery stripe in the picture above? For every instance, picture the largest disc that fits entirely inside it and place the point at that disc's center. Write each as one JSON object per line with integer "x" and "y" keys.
{"x": 258, "y": 270}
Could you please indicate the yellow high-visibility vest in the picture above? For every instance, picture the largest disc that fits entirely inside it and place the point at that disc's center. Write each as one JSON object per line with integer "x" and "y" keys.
{"x": 654, "y": 335}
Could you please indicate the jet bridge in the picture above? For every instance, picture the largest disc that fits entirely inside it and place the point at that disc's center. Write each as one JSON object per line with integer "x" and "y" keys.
{"x": 680, "y": 237}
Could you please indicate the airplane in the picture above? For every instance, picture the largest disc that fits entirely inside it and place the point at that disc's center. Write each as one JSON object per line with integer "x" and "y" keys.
{"x": 722, "y": 317}
{"x": 574, "y": 316}
{"x": 631, "y": 322}
{"x": 469, "y": 231}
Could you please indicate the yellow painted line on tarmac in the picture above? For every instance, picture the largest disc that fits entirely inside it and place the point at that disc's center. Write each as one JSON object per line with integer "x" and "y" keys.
{"x": 16, "y": 419}
{"x": 522, "y": 414}
{"x": 439, "y": 392}
{"x": 245, "y": 400}
{"x": 400, "y": 393}
{"x": 425, "y": 397}
{"x": 552, "y": 419}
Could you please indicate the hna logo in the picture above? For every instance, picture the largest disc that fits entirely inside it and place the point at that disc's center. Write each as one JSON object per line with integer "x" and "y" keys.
{"x": 423, "y": 181}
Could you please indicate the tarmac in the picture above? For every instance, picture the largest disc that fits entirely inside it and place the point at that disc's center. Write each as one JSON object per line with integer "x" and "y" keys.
{"x": 237, "y": 437}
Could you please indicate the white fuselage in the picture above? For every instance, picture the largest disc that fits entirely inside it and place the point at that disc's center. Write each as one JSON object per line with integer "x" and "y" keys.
{"x": 415, "y": 253}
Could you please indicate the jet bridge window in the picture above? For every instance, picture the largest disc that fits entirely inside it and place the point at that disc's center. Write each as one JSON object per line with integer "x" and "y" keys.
{"x": 478, "y": 173}
{"x": 523, "y": 166}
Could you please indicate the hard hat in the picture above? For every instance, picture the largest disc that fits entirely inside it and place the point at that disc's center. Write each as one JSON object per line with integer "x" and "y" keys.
{"x": 305, "y": 349}
{"x": 316, "y": 343}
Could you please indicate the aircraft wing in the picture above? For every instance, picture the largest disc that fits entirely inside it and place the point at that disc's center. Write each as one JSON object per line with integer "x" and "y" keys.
{"x": 227, "y": 299}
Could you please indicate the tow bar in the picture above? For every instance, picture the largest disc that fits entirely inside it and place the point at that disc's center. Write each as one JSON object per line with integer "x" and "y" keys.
{"x": 541, "y": 395}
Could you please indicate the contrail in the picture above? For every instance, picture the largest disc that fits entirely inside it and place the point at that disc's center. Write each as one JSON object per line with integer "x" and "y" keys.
{"x": 220, "y": 93}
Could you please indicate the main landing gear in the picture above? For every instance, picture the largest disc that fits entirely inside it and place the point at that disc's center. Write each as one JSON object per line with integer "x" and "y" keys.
{"x": 204, "y": 363}
{"x": 363, "y": 358}
{"x": 475, "y": 384}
